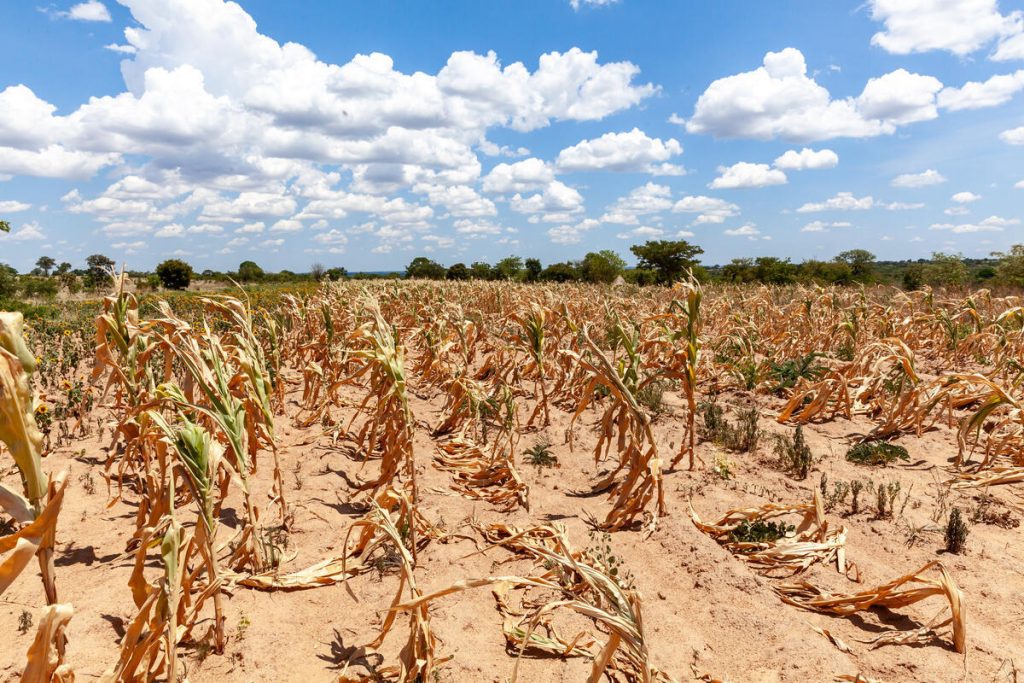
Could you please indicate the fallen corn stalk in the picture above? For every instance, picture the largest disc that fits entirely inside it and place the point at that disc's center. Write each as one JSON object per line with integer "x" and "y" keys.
{"x": 906, "y": 590}
{"x": 812, "y": 541}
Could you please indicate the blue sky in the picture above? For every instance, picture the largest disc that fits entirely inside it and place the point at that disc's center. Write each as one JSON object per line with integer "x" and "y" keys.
{"x": 365, "y": 134}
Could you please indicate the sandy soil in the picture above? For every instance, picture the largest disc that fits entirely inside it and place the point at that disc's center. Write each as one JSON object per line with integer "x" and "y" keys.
{"x": 706, "y": 611}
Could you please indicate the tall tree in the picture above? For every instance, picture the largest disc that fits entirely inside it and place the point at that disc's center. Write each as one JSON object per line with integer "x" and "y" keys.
{"x": 45, "y": 264}
{"x": 174, "y": 274}
{"x": 422, "y": 267}
{"x": 99, "y": 270}
{"x": 249, "y": 271}
{"x": 861, "y": 262}
{"x": 669, "y": 259}
{"x": 508, "y": 268}
{"x": 602, "y": 266}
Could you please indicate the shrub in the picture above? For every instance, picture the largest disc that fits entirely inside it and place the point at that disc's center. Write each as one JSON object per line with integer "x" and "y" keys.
{"x": 740, "y": 436}
{"x": 174, "y": 274}
{"x": 760, "y": 531}
{"x": 794, "y": 454}
{"x": 539, "y": 455}
{"x": 956, "y": 533}
{"x": 876, "y": 453}
{"x": 787, "y": 373}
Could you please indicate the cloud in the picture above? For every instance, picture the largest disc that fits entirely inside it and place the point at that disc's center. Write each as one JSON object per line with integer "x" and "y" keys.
{"x": 744, "y": 174}
{"x": 923, "y": 179}
{"x": 710, "y": 209}
{"x": 957, "y": 26}
{"x": 557, "y": 197}
{"x": 779, "y": 100}
{"x": 645, "y": 200}
{"x": 978, "y": 95}
{"x": 632, "y": 151}
{"x": 644, "y": 232}
{"x": 807, "y": 159}
{"x": 577, "y": 4}
{"x": 990, "y": 224}
{"x": 28, "y": 232}
{"x": 13, "y": 206}
{"x": 748, "y": 230}
{"x": 823, "y": 226}
{"x": 965, "y": 197}
{"x": 91, "y": 10}
{"x": 1014, "y": 136}
{"x": 843, "y": 201}
{"x": 572, "y": 234}
{"x": 521, "y": 176}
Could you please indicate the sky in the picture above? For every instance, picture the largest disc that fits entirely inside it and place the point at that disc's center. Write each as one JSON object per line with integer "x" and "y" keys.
{"x": 364, "y": 134}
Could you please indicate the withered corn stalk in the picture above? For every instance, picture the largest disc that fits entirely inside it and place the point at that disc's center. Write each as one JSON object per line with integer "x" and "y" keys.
{"x": 813, "y": 541}
{"x": 901, "y": 592}
{"x": 625, "y": 423}
{"x": 38, "y": 505}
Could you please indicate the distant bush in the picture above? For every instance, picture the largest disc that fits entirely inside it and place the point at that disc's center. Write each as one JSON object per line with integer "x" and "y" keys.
{"x": 174, "y": 274}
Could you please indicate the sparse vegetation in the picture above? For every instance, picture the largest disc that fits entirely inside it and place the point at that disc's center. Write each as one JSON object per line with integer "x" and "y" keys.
{"x": 956, "y": 533}
{"x": 877, "y": 453}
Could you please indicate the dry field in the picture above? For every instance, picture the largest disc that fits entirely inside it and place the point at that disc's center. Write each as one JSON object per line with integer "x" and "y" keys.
{"x": 408, "y": 481}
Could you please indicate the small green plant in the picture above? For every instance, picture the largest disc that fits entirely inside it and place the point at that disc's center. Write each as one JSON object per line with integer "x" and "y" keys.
{"x": 856, "y": 486}
{"x": 243, "y": 627}
{"x": 794, "y": 454}
{"x": 87, "y": 482}
{"x": 885, "y": 499}
{"x": 539, "y": 455}
{"x": 600, "y": 553}
{"x": 760, "y": 531}
{"x": 837, "y": 496}
{"x": 877, "y": 453}
{"x": 650, "y": 396}
{"x": 24, "y": 622}
{"x": 723, "y": 468}
{"x": 787, "y": 373}
{"x": 956, "y": 533}
{"x": 741, "y": 436}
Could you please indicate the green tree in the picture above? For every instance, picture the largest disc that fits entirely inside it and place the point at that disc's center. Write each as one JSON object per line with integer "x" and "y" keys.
{"x": 422, "y": 267}
{"x": 560, "y": 272}
{"x": 98, "y": 272}
{"x": 774, "y": 271}
{"x": 174, "y": 274}
{"x": 508, "y": 268}
{"x": 533, "y": 269}
{"x": 457, "y": 271}
{"x": 1010, "y": 269}
{"x": 45, "y": 264}
{"x": 948, "y": 270}
{"x": 861, "y": 263}
{"x": 5, "y": 226}
{"x": 481, "y": 271}
{"x": 337, "y": 273}
{"x": 739, "y": 270}
{"x": 602, "y": 266}
{"x": 913, "y": 277}
{"x": 249, "y": 271}
{"x": 669, "y": 259}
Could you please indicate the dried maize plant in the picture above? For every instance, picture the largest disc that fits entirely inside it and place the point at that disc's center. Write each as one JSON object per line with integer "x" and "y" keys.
{"x": 901, "y": 592}
{"x": 890, "y": 390}
{"x": 199, "y": 459}
{"x": 681, "y": 327}
{"x": 996, "y": 425}
{"x": 324, "y": 358}
{"x": 371, "y": 550}
{"x": 625, "y": 423}
{"x": 247, "y": 354}
{"x": 388, "y": 430}
{"x": 587, "y": 586}
{"x": 417, "y": 659}
{"x": 776, "y": 547}
{"x": 35, "y": 508}
{"x": 169, "y": 608}
{"x": 478, "y": 475}
{"x": 823, "y": 400}
{"x": 533, "y": 336}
